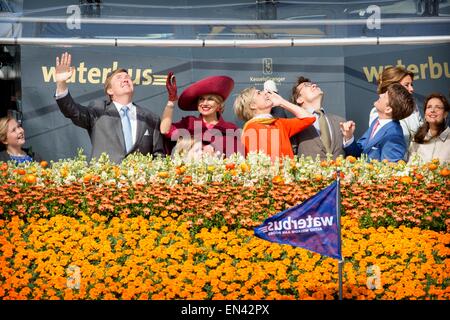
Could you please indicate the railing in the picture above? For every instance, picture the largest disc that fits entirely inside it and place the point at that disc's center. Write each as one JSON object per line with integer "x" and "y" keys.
{"x": 250, "y": 43}
{"x": 216, "y": 22}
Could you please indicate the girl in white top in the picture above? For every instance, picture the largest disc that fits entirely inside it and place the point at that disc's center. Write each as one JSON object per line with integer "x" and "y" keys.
{"x": 405, "y": 78}
{"x": 432, "y": 140}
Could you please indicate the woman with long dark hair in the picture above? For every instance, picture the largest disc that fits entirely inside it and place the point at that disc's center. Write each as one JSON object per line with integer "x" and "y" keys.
{"x": 432, "y": 140}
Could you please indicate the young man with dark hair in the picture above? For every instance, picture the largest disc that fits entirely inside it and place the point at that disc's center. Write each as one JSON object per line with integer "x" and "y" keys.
{"x": 324, "y": 136}
{"x": 384, "y": 138}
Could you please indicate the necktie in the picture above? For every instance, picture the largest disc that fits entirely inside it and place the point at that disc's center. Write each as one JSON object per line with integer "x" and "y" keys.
{"x": 324, "y": 132}
{"x": 374, "y": 129}
{"x": 126, "y": 127}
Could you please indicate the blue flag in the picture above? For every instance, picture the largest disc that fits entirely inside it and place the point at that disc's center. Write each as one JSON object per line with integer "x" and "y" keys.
{"x": 312, "y": 225}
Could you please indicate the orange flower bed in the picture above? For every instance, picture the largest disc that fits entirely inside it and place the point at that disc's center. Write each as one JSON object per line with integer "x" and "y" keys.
{"x": 393, "y": 203}
{"x": 165, "y": 230}
{"x": 161, "y": 258}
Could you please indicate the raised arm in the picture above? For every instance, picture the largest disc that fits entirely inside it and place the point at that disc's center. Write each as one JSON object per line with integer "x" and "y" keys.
{"x": 351, "y": 146}
{"x": 80, "y": 115}
{"x": 63, "y": 72}
{"x": 298, "y": 111}
{"x": 167, "y": 116}
{"x": 347, "y": 129}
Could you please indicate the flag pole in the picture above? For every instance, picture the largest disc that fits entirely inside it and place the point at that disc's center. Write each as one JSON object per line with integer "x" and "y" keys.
{"x": 338, "y": 214}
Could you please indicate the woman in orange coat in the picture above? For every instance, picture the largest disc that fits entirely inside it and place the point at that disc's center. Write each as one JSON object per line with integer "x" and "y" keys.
{"x": 263, "y": 132}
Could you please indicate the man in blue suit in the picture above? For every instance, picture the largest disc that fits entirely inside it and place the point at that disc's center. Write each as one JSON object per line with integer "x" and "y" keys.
{"x": 384, "y": 138}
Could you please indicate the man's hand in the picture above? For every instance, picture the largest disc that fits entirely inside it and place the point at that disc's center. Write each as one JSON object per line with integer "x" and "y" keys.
{"x": 63, "y": 72}
{"x": 63, "y": 69}
{"x": 347, "y": 129}
{"x": 171, "y": 85}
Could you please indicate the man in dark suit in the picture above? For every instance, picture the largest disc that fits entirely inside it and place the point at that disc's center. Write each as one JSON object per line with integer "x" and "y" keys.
{"x": 324, "y": 136}
{"x": 384, "y": 139}
{"x": 117, "y": 127}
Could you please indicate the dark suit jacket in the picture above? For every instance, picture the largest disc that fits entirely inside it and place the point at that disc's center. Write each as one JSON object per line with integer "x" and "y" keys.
{"x": 388, "y": 143}
{"x": 308, "y": 141}
{"x": 278, "y": 112}
{"x": 102, "y": 121}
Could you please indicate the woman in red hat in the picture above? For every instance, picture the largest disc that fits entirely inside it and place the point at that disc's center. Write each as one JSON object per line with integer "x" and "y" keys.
{"x": 208, "y": 97}
{"x": 263, "y": 132}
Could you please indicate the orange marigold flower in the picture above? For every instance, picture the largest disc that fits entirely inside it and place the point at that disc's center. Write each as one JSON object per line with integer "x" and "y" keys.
{"x": 351, "y": 159}
{"x": 163, "y": 174}
{"x": 406, "y": 179}
{"x": 444, "y": 172}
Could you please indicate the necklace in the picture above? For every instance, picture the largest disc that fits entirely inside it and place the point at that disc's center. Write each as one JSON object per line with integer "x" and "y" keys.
{"x": 16, "y": 155}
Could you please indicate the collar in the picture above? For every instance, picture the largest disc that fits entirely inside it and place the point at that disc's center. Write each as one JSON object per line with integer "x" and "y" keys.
{"x": 384, "y": 122}
{"x": 443, "y": 136}
{"x": 263, "y": 116}
{"x": 119, "y": 106}
{"x": 312, "y": 110}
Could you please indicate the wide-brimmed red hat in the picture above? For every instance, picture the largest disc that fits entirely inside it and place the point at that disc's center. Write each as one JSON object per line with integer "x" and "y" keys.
{"x": 220, "y": 85}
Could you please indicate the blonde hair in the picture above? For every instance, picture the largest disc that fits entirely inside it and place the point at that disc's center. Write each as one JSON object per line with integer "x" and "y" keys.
{"x": 188, "y": 148}
{"x": 218, "y": 99}
{"x": 242, "y": 104}
{"x": 392, "y": 75}
{"x": 109, "y": 78}
{"x": 4, "y": 127}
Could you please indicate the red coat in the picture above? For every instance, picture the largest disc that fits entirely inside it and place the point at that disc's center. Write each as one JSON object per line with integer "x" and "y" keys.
{"x": 224, "y": 136}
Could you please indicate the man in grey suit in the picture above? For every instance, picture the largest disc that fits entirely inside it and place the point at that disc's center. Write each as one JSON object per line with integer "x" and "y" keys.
{"x": 324, "y": 136}
{"x": 118, "y": 127}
